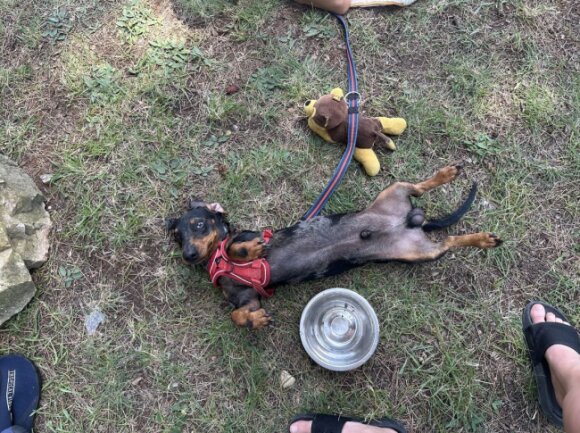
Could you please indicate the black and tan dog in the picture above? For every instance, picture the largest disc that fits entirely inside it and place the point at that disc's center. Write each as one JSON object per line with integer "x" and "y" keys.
{"x": 390, "y": 229}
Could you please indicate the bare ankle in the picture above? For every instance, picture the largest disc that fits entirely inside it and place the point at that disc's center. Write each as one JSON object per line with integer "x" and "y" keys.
{"x": 564, "y": 365}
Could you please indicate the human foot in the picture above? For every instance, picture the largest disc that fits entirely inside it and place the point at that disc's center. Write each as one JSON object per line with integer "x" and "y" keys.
{"x": 554, "y": 347}
{"x": 564, "y": 361}
{"x": 316, "y": 423}
{"x": 349, "y": 427}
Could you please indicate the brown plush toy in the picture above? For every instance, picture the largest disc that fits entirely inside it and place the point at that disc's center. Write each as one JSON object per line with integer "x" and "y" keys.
{"x": 328, "y": 117}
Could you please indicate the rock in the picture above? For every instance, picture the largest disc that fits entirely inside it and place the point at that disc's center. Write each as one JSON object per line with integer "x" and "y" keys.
{"x": 16, "y": 286}
{"x": 23, "y": 215}
{"x": 24, "y": 230}
{"x": 46, "y": 178}
{"x": 4, "y": 241}
{"x": 286, "y": 380}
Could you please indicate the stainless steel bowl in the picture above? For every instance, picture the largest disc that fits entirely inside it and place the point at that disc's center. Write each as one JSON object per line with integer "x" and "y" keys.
{"x": 339, "y": 329}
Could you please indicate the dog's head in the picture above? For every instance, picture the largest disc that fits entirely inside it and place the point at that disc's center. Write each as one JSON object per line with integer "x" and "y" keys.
{"x": 199, "y": 231}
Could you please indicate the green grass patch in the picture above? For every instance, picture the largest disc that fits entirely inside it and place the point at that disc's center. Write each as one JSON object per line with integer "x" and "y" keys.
{"x": 538, "y": 105}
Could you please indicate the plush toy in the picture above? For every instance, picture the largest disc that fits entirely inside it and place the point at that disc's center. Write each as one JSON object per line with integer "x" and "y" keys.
{"x": 328, "y": 117}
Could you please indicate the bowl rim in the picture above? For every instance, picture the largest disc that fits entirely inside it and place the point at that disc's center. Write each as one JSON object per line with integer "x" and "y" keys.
{"x": 372, "y": 315}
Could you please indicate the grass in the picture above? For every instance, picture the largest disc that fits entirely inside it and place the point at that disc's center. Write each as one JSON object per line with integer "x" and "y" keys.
{"x": 125, "y": 104}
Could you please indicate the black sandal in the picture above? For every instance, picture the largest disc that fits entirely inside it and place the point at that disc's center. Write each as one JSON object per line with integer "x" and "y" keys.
{"x": 334, "y": 423}
{"x": 19, "y": 393}
{"x": 539, "y": 337}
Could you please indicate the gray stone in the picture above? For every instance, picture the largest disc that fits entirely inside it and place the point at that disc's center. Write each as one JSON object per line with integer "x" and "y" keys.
{"x": 46, "y": 178}
{"x": 24, "y": 244}
{"x": 23, "y": 215}
{"x": 16, "y": 286}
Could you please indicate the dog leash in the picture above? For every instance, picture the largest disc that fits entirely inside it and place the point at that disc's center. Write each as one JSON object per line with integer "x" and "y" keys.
{"x": 352, "y": 99}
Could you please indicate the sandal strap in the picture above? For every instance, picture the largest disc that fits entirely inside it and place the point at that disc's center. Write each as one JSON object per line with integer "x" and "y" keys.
{"x": 328, "y": 423}
{"x": 15, "y": 429}
{"x": 546, "y": 334}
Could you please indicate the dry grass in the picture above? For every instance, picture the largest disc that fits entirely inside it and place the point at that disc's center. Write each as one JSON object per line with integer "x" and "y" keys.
{"x": 131, "y": 124}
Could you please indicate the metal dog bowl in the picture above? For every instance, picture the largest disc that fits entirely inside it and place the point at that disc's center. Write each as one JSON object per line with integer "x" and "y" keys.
{"x": 339, "y": 329}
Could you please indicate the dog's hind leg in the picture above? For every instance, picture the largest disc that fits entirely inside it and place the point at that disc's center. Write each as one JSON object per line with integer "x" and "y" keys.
{"x": 395, "y": 199}
{"x": 445, "y": 175}
{"x": 417, "y": 248}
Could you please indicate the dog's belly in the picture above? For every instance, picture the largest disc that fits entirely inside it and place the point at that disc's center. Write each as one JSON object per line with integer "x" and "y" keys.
{"x": 325, "y": 246}
{"x": 303, "y": 267}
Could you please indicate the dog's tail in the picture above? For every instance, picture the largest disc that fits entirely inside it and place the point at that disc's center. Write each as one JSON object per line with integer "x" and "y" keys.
{"x": 448, "y": 220}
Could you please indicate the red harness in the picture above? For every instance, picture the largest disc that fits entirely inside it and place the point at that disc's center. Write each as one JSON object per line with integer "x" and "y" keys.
{"x": 255, "y": 274}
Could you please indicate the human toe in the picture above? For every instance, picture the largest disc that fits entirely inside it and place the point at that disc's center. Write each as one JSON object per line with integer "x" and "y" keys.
{"x": 301, "y": 427}
{"x": 538, "y": 313}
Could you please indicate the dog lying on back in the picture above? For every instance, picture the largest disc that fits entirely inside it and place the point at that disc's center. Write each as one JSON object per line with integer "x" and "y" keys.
{"x": 390, "y": 229}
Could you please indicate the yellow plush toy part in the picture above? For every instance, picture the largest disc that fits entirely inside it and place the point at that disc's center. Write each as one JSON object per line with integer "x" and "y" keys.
{"x": 328, "y": 117}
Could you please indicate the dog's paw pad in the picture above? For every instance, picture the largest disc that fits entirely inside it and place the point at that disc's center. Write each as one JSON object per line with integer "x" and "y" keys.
{"x": 451, "y": 172}
{"x": 248, "y": 250}
{"x": 490, "y": 240}
{"x": 259, "y": 318}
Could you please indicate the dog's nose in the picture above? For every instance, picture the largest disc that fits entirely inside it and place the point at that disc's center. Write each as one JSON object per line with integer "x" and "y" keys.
{"x": 190, "y": 256}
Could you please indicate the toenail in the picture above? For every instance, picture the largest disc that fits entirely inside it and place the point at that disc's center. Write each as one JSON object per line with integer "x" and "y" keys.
{"x": 294, "y": 428}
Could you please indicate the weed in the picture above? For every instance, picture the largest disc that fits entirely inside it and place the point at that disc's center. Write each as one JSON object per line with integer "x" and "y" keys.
{"x": 135, "y": 21}
{"x": 288, "y": 39}
{"x": 58, "y": 26}
{"x": 69, "y": 275}
{"x": 221, "y": 108}
{"x": 268, "y": 79}
{"x": 102, "y": 84}
{"x": 203, "y": 170}
{"x": 315, "y": 25}
{"x": 483, "y": 145}
{"x": 171, "y": 59}
{"x": 213, "y": 140}
{"x": 169, "y": 55}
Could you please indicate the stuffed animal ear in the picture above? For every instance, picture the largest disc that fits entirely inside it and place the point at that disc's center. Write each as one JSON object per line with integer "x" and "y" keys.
{"x": 337, "y": 94}
{"x": 171, "y": 224}
{"x": 309, "y": 109}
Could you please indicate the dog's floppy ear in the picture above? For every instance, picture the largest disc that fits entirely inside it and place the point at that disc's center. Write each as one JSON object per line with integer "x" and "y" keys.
{"x": 171, "y": 223}
{"x": 195, "y": 202}
{"x": 215, "y": 207}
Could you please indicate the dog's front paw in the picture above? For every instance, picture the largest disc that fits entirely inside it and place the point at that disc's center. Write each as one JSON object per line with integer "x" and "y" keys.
{"x": 248, "y": 250}
{"x": 259, "y": 319}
